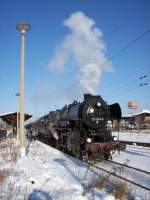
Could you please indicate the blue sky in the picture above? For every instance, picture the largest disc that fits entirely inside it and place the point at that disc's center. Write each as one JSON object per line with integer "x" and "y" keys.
{"x": 48, "y": 89}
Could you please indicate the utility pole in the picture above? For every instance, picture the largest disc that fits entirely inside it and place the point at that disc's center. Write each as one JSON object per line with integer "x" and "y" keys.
{"x": 22, "y": 27}
{"x": 17, "y": 95}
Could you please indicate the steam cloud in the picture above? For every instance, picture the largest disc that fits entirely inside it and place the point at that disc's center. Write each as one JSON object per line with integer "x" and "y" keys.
{"x": 84, "y": 47}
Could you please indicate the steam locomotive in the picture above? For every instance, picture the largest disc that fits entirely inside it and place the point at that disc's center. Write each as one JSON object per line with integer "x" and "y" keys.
{"x": 80, "y": 128}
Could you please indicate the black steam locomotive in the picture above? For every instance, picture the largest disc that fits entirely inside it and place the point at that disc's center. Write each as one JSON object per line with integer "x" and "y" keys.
{"x": 81, "y": 129}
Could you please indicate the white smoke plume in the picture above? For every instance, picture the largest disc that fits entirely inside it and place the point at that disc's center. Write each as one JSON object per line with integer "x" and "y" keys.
{"x": 84, "y": 47}
{"x": 53, "y": 131}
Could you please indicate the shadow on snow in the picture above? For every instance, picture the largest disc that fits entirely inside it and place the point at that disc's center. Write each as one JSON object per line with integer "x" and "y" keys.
{"x": 39, "y": 195}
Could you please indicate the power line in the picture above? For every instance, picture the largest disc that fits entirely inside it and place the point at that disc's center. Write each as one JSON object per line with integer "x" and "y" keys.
{"x": 128, "y": 84}
{"x": 130, "y": 79}
{"x": 76, "y": 69}
{"x": 132, "y": 85}
{"x": 131, "y": 43}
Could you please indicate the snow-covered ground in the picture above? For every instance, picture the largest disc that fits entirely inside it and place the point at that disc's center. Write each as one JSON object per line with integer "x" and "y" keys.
{"x": 133, "y": 136}
{"x": 138, "y": 157}
{"x": 48, "y": 174}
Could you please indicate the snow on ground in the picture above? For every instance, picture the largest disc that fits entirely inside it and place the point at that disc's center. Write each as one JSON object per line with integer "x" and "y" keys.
{"x": 138, "y": 157}
{"x": 133, "y": 136}
{"x": 48, "y": 174}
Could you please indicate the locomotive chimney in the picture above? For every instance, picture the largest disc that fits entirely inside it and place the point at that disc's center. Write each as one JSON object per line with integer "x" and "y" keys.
{"x": 87, "y": 96}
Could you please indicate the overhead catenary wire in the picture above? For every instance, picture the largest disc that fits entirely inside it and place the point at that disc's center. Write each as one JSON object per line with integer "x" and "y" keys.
{"x": 129, "y": 83}
{"x": 130, "y": 86}
{"x": 128, "y": 90}
{"x": 128, "y": 45}
{"x": 130, "y": 80}
{"x": 76, "y": 69}
{"x": 131, "y": 43}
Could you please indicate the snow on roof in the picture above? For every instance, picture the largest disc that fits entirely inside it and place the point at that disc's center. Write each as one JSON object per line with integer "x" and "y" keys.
{"x": 139, "y": 113}
{"x": 143, "y": 111}
{"x": 127, "y": 115}
{"x": 6, "y": 114}
{"x": 11, "y": 117}
{"x": 9, "y": 113}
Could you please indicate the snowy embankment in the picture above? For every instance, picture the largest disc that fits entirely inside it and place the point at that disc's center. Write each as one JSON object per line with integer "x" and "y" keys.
{"x": 133, "y": 136}
{"x": 48, "y": 174}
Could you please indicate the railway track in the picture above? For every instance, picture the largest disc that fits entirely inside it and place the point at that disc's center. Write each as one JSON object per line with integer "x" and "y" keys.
{"x": 137, "y": 143}
{"x": 127, "y": 166}
{"x": 116, "y": 174}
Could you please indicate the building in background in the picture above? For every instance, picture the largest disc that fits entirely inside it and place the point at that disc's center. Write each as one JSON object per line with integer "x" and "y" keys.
{"x": 138, "y": 121}
{"x": 8, "y": 125}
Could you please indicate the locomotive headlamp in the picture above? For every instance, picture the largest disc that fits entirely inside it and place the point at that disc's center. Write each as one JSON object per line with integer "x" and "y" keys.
{"x": 98, "y": 104}
{"x": 115, "y": 138}
{"x": 90, "y": 110}
{"x": 89, "y": 140}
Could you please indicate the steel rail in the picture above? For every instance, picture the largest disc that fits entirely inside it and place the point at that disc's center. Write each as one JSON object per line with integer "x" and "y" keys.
{"x": 124, "y": 165}
{"x": 123, "y": 178}
{"x": 142, "y": 144}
